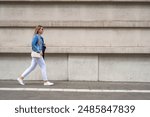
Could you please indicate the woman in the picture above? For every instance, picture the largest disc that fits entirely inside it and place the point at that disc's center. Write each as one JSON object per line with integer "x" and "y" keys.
{"x": 39, "y": 47}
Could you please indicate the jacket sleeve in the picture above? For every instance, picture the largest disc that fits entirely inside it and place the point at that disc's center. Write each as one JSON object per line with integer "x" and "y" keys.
{"x": 43, "y": 44}
{"x": 34, "y": 44}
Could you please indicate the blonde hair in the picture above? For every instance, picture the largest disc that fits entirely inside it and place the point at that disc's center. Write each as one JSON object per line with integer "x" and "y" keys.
{"x": 37, "y": 28}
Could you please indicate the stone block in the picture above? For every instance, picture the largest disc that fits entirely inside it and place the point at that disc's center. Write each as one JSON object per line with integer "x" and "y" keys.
{"x": 127, "y": 68}
{"x": 13, "y": 65}
{"x": 83, "y": 67}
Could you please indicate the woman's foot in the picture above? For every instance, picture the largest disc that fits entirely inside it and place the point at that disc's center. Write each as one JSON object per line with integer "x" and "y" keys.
{"x": 20, "y": 80}
{"x": 47, "y": 83}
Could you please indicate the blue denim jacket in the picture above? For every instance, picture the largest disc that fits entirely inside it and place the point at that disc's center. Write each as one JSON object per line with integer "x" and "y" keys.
{"x": 37, "y": 43}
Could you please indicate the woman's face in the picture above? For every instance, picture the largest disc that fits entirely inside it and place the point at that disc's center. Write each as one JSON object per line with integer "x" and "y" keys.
{"x": 41, "y": 30}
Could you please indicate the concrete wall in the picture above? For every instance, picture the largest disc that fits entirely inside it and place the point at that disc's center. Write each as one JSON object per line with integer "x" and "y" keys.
{"x": 91, "y": 40}
{"x": 87, "y": 67}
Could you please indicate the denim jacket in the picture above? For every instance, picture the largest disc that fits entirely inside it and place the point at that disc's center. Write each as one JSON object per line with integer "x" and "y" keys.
{"x": 37, "y": 43}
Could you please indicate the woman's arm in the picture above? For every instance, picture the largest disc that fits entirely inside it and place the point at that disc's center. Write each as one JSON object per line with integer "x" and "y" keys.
{"x": 35, "y": 46}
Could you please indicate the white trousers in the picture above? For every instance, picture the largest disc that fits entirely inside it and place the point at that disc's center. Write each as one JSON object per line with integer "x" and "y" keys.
{"x": 34, "y": 62}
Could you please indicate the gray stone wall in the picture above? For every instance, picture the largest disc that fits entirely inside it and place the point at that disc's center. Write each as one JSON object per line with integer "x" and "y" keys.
{"x": 91, "y": 40}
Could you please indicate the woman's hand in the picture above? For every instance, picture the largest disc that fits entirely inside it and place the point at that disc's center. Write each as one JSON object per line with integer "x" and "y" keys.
{"x": 41, "y": 53}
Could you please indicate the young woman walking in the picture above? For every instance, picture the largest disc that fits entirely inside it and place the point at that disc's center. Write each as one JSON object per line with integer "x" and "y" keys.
{"x": 38, "y": 47}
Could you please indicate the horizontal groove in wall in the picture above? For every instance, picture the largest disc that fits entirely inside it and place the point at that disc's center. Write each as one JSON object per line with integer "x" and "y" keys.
{"x": 77, "y": 24}
{"x": 74, "y": 0}
{"x": 94, "y": 50}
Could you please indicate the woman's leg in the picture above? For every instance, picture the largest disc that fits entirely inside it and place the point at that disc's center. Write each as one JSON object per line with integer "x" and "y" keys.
{"x": 42, "y": 65}
{"x": 30, "y": 69}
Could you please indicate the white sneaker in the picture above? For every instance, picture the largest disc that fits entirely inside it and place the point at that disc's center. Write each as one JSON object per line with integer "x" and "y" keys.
{"x": 20, "y": 81}
{"x": 48, "y": 83}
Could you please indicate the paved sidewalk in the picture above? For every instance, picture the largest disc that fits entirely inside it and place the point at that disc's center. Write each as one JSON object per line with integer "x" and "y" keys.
{"x": 66, "y": 90}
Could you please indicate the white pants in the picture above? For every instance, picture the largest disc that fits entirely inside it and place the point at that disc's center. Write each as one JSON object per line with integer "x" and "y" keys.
{"x": 34, "y": 62}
